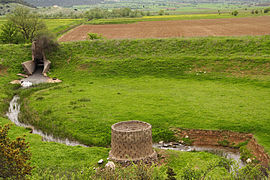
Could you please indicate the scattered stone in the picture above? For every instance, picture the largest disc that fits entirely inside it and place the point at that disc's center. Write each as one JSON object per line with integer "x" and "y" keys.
{"x": 15, "y": 82}
{"x": 100, "y": 161}
{"x": 248, "y": 160}
{"x": 175, "y": 143}
{"x": 186, "y": 136}
{"x": 165, "y": 145}
{"x": 161, "y": 143}
{"x": 181, "y": 142}
{"x": 110, "y": 165}
{"x": 23, "y": 75}
{"x": 26, "y": 84}
{"x": 170, "y": 144}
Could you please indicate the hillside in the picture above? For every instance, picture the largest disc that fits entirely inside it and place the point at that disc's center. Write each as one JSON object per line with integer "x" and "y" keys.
{"x": 68, "y": 3}
{"x": 22, "y": 2}
{"x": 63, "y": 3}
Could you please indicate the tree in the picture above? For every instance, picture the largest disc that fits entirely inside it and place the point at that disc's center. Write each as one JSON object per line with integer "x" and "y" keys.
{"x": 27, "y": 23}
{"x": 161, "y": 12}
{"x": 235, "y": 13}
{"x": 10, "y": 34}
{"x": 14, "y": 156}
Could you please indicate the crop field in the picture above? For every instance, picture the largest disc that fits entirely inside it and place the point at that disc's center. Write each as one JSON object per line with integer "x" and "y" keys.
{"x": 202, "y": 83}
{"x": 178, "y": 28}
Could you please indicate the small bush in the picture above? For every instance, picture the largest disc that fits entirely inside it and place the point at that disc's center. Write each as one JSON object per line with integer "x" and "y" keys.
{"x": 160, "y": 134}
{"x": 235, "y": 13}
{"x": 14, "y": 156}
{"x": 266, "y": 10}
{"x": 93, "y": 36}
{"x": 10, "y": 34}
{"x": 245, "y": 153}
{"x": 224, "y": 143}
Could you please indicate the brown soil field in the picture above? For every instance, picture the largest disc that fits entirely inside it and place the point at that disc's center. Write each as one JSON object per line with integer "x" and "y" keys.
{"x": 177, "y": 28}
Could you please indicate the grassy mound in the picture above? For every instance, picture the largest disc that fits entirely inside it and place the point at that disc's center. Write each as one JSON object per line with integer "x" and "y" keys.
{"x": 203, "y": 83}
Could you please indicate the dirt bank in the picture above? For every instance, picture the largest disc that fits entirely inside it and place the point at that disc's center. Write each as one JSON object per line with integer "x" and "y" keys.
{"x": 219, "y": 138}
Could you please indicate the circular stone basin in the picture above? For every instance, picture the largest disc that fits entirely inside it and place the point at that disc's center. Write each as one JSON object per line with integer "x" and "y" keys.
{"x": 132, "y": 141}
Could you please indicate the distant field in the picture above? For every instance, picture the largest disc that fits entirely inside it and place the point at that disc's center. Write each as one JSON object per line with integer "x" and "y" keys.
{"x": 178, "y": 28}
{"x": 57, "y": 26}
{"x": 175, "y": 8}
{"x": 171, "y": 17}
{"x": 60, "y": 25}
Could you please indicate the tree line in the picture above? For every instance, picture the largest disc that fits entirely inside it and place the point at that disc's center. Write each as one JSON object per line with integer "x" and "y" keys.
{"x": 98, "y": 13}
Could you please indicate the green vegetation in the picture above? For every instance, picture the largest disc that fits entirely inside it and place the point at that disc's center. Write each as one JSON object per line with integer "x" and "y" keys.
{"x": 56, "y": 26}
{"x": 202, "y": 83}
{"x": 93, "y": 36}
{"x": 14, "y": 156}
{"x": 169, "y": 17}
{"x": 60, "y": 26}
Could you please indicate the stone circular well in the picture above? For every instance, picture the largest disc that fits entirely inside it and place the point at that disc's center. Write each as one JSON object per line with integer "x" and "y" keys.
{"x": 132, "y": 141}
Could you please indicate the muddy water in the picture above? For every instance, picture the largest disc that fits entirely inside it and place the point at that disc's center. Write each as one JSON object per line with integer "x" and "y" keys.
{"x": 228, "y": 153}
{"x": 13, "y": 115}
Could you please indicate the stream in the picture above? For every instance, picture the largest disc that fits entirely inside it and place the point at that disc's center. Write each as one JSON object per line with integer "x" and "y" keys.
{"x": 13, "y": 115}
{"x": 228, "y": 153}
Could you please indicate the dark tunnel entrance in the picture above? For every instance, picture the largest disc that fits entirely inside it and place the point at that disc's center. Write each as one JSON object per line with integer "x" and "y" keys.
{"x": 39, "y": 63}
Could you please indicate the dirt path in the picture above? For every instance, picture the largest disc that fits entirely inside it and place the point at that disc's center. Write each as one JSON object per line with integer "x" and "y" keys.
{"x": 179, "y": 28}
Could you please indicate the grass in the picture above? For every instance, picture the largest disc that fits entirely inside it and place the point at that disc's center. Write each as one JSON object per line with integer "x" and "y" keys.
{"x": 224, "y": 86}
{"x": 57, "y": 26}
{"x": 60, "y": 26}
{"x": 170, "y": 17}
{"x": 203, "y": 83}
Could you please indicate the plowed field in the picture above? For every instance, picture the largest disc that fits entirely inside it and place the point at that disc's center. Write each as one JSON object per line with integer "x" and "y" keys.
{"x": 178, "y": 28}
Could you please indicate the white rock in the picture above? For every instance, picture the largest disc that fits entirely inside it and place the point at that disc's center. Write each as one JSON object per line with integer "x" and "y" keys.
{"x": 161, "y": 143}
{"x": 100, "y": 161}
{"x": 26, "y": 84}
{"x": 186, "y": 136}
{"x": 110, "y": 165}
{"x": 248, "y": 160}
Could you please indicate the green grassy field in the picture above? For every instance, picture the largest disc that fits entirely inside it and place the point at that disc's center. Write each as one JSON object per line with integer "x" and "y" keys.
{"x": 59, "y": 26}
{"x": 202, "y": 83}
{"x": 170, "y": 17}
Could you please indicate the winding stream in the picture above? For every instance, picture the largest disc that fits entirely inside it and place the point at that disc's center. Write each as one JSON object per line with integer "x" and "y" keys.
{"x": 228, "y": 153}
{"x": 13, "y": 115}
{"x": 14, "y": 110}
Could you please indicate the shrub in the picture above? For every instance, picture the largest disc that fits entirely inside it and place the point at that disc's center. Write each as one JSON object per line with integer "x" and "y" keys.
{"x": 10, "y": 34}
{"x": 14, "y": 156}
{"x": 93, "y": 36}
{"x": 266, "y": 10}
{"x": 235, "y": 13}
